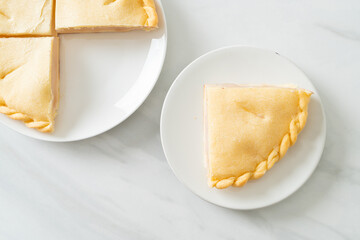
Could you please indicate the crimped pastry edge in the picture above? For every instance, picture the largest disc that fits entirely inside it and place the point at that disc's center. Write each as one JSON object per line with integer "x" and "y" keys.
{"x": 150, "y": 9}
{"x": 42, "y": 126}
{"x": 289, "y": 139}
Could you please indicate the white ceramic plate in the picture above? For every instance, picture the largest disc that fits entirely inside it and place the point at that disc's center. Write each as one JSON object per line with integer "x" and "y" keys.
{"x": 182, "y": 126}
{"x": 105, "y": 77}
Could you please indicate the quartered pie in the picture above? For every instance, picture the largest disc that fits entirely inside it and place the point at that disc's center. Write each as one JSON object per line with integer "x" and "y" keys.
{"x": 29, "y": 77}
{"x": 29, "y": 65}
{"x": 249, "y": 128}
{"x": 105, "y": 15}
{"x": 26, "y": 17}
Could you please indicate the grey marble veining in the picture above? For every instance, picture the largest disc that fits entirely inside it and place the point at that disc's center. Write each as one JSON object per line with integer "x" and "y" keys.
{"x": 119, "y": 186}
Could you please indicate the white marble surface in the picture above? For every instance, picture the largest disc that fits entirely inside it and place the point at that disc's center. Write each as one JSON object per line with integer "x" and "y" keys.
{"x": 119, "y": 186}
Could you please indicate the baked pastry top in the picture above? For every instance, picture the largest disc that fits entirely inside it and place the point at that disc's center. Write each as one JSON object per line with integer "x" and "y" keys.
{"x": 105, "y": 15}
{"x": 26, "y": 17}
{"x": 29, "y": 71}
{"x": 249, "y": 128}
{"x": 29, "y": 77}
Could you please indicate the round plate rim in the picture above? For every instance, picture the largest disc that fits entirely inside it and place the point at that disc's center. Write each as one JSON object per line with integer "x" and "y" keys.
{"x": 219, "y": 203}
{"x": 135, "y": 108}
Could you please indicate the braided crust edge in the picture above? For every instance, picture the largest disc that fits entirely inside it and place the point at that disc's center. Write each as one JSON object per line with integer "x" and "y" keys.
{"x": 42, "y": 126}
{"x": 296, "y": 125}
{"x": 150, "y": 9}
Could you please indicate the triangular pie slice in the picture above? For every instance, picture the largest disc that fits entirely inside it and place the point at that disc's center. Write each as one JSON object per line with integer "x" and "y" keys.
{"x": 249, "y": 128}
{"x": 29, "y": 75}
{"x": 105, "y": 15}
{"x": 26, "y": 17}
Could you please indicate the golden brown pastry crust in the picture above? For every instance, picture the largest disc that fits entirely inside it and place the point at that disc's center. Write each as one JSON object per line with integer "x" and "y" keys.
{"x": 42, "y": 126}
{"x": 34, "y": 18}
{"x": 29, "y": 81}
{"x": 76, "y": 16}
{"x": 296, "y": 125}
{"x": 26, "y": 18}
